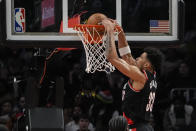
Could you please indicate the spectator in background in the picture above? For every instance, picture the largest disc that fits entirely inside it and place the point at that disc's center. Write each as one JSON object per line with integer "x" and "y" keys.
{"x": 183, "y": 77}
{"x": 118, "y": 123}
{"x": 6, "y": 114}
{"x": 74, "y": 124}
{"x": 20, "y": 107}
{"x": 6, "y": 109}
{"x": 20, "y": 123}
{"x": 78, "y": 100}
{"x": 178, "y": 116}
{"x": 22, "y": 103}
{"x": 83, "y": 123}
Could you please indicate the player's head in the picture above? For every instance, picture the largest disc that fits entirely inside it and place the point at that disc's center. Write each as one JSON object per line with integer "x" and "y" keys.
{"x": 118, "y": 123}
{"x": 150, "y": 59}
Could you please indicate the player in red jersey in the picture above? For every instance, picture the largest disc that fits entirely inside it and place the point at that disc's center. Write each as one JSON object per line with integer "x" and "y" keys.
{"x": 138, "y": 93}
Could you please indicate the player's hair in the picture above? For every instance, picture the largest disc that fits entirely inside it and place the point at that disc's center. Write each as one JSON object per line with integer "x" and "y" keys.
{"x": 155, "y": 57}
{"x": 118, "y": 123}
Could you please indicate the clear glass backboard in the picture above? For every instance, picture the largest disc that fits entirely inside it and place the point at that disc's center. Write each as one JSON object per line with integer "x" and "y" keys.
{"x": 50, "y": 22}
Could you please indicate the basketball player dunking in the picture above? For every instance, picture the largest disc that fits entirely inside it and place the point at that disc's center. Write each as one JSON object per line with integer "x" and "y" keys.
{"x": 138, "y": 93}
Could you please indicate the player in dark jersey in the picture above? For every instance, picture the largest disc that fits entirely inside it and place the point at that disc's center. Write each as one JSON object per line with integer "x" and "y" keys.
{"x": 138, "y": 93}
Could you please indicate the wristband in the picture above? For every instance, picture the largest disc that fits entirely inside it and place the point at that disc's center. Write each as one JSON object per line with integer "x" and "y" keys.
{"x": 125, "y": 50}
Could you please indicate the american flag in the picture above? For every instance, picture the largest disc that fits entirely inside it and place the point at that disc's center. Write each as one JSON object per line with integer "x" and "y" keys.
{"x": 161, "y": 26}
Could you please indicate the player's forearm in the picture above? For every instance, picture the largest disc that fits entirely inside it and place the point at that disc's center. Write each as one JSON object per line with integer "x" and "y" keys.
{"x": 122, "y": 42}
{"x": 111, "y": 52}
{"x": 126, "y": 52}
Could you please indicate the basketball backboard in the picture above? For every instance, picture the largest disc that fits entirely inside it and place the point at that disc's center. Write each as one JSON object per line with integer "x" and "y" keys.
{"x": 49, "y": 23}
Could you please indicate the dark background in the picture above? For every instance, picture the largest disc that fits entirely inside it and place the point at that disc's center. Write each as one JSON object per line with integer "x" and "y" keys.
{"x": 178, "y": 72}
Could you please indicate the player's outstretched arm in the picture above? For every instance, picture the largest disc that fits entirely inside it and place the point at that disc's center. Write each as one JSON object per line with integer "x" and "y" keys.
{"x": 124, "y": 49}
{"x": 131, "y": 71}
{"x": 123, "y": 46}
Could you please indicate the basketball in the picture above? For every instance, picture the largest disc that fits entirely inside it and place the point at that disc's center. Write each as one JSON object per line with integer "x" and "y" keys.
{"x": 95, "y": 19}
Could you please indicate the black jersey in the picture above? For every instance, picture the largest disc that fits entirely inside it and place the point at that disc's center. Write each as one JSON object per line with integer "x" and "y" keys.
{"x": 137, "y": 105}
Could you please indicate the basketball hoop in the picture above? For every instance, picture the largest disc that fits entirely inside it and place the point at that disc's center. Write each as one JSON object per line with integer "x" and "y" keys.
{"x": 93, "y": 39}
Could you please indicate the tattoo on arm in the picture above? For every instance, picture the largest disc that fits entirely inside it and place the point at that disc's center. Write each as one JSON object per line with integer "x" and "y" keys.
{"x": 108, "y": 45}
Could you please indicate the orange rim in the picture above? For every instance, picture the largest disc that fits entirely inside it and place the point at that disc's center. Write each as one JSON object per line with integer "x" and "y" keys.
{"x": 97, "y": 37}
{"x": 82, "y": 27}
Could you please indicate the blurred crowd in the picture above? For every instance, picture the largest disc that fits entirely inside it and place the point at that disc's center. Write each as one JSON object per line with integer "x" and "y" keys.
{"x": 91, "y": 100}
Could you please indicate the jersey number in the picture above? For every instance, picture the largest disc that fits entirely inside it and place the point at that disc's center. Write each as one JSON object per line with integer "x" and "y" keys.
{"x": 150, "y": 101}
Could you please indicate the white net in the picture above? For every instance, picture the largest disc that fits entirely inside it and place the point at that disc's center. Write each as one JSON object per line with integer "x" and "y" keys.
{"x": 94, "y": 44}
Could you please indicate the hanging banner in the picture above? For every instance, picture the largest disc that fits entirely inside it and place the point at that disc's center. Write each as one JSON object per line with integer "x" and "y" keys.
{"x": 48, "y": 17}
